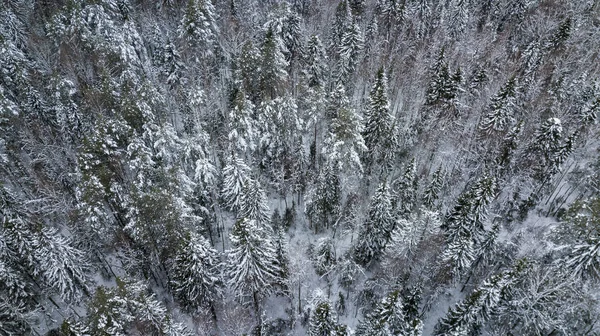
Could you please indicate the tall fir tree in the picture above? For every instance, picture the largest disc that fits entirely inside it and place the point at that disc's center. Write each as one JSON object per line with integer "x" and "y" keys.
{"x": 380, "y": 125}
{"x": 375, "y": 231}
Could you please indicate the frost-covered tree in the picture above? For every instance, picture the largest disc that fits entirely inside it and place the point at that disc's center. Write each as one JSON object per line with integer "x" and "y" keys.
{"x": 128, "y": 308}
{"x": 410, "y": 233}
{"x": 502, "y": 109}
{"x": 349, "y": 50}
{"x": 375, "y": 231}
{"x": 242, "y": 130}
{"x": 479, "y": 306}
{"x": 464, "y": 223}
{"x": 198, "y": 26}
{"x": 252, "y": 267}
{"x": 195, "y": 278}
{"x": 380, "y": 125}
{"x": 405, "y": 190}
{"x": 323, "y": 256}
{"x": 273, "y": 66}
{"x": 344, "y": 143}
{"x": 235, "y": 176}
{"x": 323, "y": 200}
{"x": 390, "y": 318}
{"x": 253, "y": 203}
{"x": 315, "y": 69}
{"x": 323, "y": 321}
{"x": 432, "y": 192}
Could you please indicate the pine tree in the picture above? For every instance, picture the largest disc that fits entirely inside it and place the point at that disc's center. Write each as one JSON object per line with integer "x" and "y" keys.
{"x": 405, "y": 190}
{"x": 432, "y": 193}
{"x": 241, "y": 127}
{"x": 390, "y": 318}
{"x": 323, "y": 256}
{"x": 198, "y": 26}
{"x": 273, "y": 73}
{"x": 323, "y": 321}
{"x": 410, "y": 233}
{"x": 349, "y": 49}
{"x": 235, "y": 176}
{"x": 344, "y": 143}
{"x": 458, "y": 16}
{"x": 128, "y": 309}
{"x": 377, "y": 228}
{"x": 502, "y": 109}
{"x": 316, "y": 63}
{"x": 323, "y": 200}
{"x": 253, "y": 203}
{"x": 481, "y": 304}
{"x": 380, "y": 128}
{"x": 195, "y": 277}
{"x": 252, "y": 267}
{"x": 464, "y": 223}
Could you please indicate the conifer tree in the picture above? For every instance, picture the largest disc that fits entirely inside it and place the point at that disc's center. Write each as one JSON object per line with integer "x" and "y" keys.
{"x": 349, "y": 49}
{"x": 502, "y": 107}
{"x": 195, "y": 277}
{"x": 344, "y": 143}
{"x": 478, "y": 307}
{"x": 405, "y": 190}
{"x": 464, "y": 223}
{"x": 235, "y": 176}
{"x": 241, "y": 127}
{"x": 432, "y": 192}
{"x": 273, "y": 74}
{"x": 253, "y": 203}
{"x": 198, "y": 26}
{"x": 323, "y": 256}
{"x": 252, "y": 267}
{"x": 323, "y": 321}
{"x": 380, "y": 128}
{"x": 323, "y": 200}
{"x": 376, "y": 229}
{"x": 316, "y": 62}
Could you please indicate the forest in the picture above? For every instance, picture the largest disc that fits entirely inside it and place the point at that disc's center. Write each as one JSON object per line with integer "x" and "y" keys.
{"x": 299, "y": 167}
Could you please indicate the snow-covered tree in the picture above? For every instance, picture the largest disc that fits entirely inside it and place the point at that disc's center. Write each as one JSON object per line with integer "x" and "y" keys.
{"x": 349, "y": 49}
{"x": 323, "y": 199}
{"x": 380, "y": 125}
{"x": 323, "y": 256}
{"x": 252, "y": 268}
{"x": 235, "y": 176}
{"x": 195, "y": 278}
{"x": 323, "y": 321}
{"x": 375, "y": 231}
{"x": 410, "y": 233}
{"x": 316, "y": 62}
{"x": 464, "y": 223}
{"x": 198, "y": 25}
{"x": 344, "y": 143}
{"x": 253, "y": 202}
{"x": 405, "y": 190}
{"x": 432, "y": 192}
{"x": 478, "y": 307}
{"x": 502, "y": 109}
{"x": 273, "y": 66}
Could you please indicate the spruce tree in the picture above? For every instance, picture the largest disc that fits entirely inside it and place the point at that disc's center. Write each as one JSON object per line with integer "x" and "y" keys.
{"x": 479, "y": 306}
{"x": 252, "y": 267}
{"x": 195, "y": 277}
{"x": 323, "y": 200}
{"x": 432, "y": 192}
{"x": 198, "y": 26}
{"x": 316, "y": 62}
{"x": 235, "y": 176}
{"x": 253, "y": 203}
{"x": 273, "y": 74}
{"x": 376, "y": 229}
{"x": 380, "y": 128}
{"x": 502, "y": 109}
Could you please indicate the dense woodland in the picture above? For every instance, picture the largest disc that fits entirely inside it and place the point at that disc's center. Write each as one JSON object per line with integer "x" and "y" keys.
{"x": 300, "y": 167}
